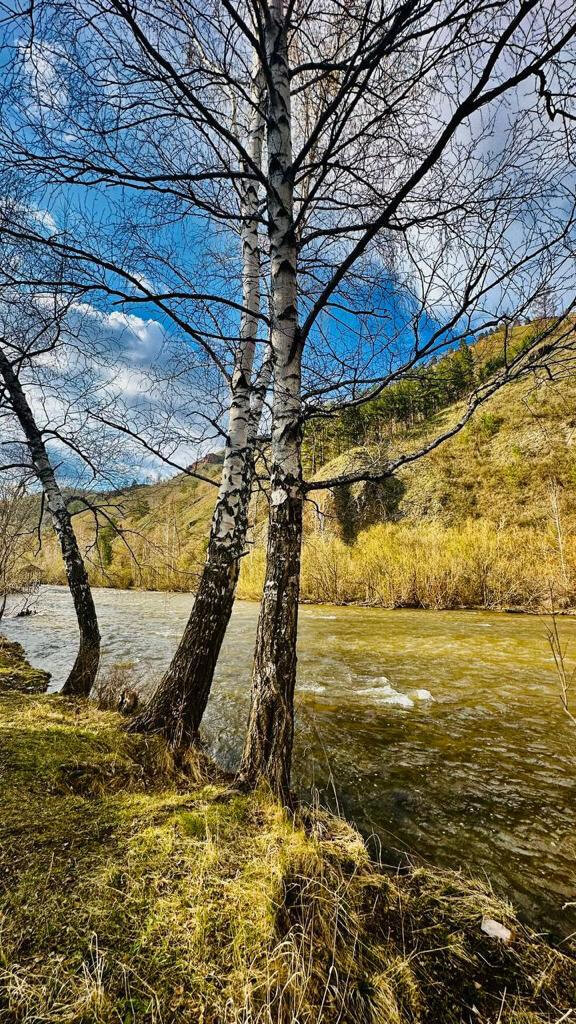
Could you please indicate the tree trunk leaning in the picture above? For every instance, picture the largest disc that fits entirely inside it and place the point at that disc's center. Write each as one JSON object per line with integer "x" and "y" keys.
{"x": 83, "y": 673}
{"x": 177, "y": 707}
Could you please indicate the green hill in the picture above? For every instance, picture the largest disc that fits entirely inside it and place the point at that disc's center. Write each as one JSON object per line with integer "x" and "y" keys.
{"x": 486, "y": 520}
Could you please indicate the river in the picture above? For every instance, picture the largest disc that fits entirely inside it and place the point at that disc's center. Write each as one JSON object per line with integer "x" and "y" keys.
{"x": 441, "y": 734}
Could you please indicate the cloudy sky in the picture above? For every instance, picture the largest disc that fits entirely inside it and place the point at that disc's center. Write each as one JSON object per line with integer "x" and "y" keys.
{"x": 159, "y": 367}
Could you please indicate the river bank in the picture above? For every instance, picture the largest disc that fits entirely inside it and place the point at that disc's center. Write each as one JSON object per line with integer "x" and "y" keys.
{"x": 475, "y": 564}
{"x": 248, "y": 593}
{"x": 16, "y": 672}
{"x": 134, "y": 892}
{"x": 409, "y": 722}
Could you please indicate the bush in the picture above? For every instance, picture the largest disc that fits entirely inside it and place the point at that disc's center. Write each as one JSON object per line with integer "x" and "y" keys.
{"x": 474, "y": 565}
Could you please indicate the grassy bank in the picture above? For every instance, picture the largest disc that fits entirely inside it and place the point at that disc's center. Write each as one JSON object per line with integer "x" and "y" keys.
{"x": 16, "y": 673}
{"x": 131, "y": 892}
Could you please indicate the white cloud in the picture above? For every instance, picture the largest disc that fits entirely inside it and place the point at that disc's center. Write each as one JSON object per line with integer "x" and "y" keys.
{"x": 143, "y": 281}
{"x": 135, "y": 340}
{"x": 119, "y": 365}
{"x": 45, "y": 219}
{"x": 41, "y": 65}
{"x": 36, "y": 215}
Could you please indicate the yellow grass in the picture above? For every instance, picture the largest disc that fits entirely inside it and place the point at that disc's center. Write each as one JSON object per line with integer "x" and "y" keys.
{"x": 432, "y": 566}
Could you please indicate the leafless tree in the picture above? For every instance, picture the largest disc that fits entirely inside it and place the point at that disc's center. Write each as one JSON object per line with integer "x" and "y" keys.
{"x": 414, "y": 187}
{"x": 30, "y": 334}
{"x": 246, "y": 384}
{"x": 564, "y": 674}
{"x": 17, "y": 576}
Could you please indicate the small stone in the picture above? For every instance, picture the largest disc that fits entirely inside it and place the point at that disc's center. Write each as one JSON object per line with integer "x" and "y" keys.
{"x": 496, "y": 930}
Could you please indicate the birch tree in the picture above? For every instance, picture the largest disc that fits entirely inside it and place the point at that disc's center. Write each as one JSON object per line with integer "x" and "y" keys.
{"x": 416, "y": 188}
{"x": 15, "y": 351}
{"x": 180, "y": 700}
{"x": 177, "y": 707}
{"x": 505, "y": 63}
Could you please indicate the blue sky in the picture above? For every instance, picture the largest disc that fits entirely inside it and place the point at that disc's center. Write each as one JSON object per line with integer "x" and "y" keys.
{"x": 167, "y": 246}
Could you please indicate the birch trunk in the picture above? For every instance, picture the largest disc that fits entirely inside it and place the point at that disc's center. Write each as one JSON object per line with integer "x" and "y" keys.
{"x": 177, "y": 707}
{"x": 268, "y": 747}
{"x": 85, "y": 668}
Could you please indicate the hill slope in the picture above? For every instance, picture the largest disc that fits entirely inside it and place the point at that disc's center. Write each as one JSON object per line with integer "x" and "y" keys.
{"x": 488, "y": 519}
{"x": 151, "y": 537}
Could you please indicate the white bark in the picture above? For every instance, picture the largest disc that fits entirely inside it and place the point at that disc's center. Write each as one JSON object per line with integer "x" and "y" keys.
{"x": 285, "y": 469}
{"x": 228, "y": 528}
{"x": 178, "y": 705}
{"x": 268, "y": 748}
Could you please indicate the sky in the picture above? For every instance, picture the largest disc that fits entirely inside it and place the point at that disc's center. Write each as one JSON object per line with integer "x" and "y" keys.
{"x": 151, "y": 370}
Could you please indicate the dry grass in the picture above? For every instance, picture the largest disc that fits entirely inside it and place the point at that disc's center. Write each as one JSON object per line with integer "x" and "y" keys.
{"x": 487, "y": 520}
{"x": 434, "y": 566}
{"x": 119, "y": 678}
{"x": 132, "y": 892}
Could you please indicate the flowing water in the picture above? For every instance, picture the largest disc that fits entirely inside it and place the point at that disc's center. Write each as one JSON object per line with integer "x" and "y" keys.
{"x": 440, "y": 733}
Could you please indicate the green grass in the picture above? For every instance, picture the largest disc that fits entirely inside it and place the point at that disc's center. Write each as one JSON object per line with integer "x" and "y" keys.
{"x": 134, "y": 892}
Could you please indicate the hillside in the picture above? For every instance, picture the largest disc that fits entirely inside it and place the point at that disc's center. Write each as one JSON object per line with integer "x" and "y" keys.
{"x": 487, "y": 519}
{"x": 505, "y": 466}
{"x": 152, "y": 536}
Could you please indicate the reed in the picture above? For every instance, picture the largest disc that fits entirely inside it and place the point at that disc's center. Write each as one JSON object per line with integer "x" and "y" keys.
{"x": 472, "y": 564}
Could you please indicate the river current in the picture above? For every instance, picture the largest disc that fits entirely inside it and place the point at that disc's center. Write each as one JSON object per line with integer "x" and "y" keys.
{"x": 441, "y": 734}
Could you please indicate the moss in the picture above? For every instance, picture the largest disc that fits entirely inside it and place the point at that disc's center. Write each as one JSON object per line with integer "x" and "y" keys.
{"x": 16, "y": 673}
{"x": 134, "y": 892}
